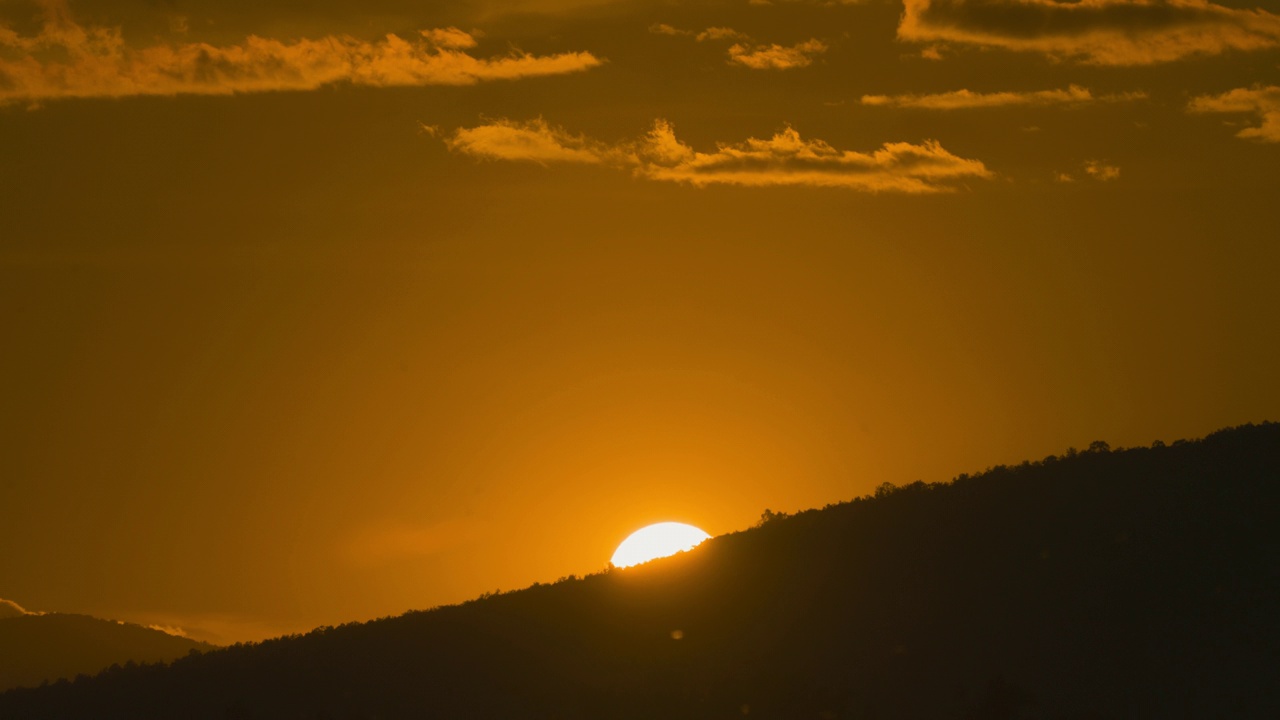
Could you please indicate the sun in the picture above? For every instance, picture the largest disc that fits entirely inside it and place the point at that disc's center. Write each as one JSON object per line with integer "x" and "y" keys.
{"x": 655, "y": 541}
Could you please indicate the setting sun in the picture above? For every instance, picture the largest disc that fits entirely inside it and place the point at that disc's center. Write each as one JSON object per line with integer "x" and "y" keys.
{"x": 320, "y": 312}
{"x": 656, "y": 541}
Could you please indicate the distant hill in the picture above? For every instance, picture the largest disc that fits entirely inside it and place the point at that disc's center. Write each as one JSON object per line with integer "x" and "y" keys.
{"x": 1140, "y": 583}
{"x": 37, "y": 648}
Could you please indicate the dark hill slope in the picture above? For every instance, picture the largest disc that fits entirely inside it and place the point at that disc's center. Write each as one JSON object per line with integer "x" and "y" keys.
{"x": 1131, "y": 584}
{"x": 37, "y": 648}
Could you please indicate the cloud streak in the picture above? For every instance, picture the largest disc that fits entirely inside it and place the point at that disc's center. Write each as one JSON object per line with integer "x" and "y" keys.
{"x": 1264, "y": 102}
{"x": 746, "y": 52}
{"x": 786, "y": 159}
{"x": 775, "y": 57}
{"x": 173, "y": 630}
{"x": 1101, "y": 32}
{"x": 532, "y": 141}
{"x": 67, "y": 60}
{"x": 1101, "y": 170}
{"x": 966, "y": 99}
{"x": 11, "y": 609}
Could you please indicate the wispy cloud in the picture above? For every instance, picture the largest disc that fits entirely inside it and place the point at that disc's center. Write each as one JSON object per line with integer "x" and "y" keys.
{"x": 217, "y": 628}
{"x": 67, "y": 60}
{"x": 665, "y": 29}
{"x": 721, "y": 33}
{"x": 11, "y": 609}
{"x": 747, "y": 52}
{"x": 1103, "y": 32}
{"x": 1098, "y": 170}
{"x": 173, "y": 630}
{"x": 1264, "y": 102}
{"x": 1101, "y": 170}
{"x": 789, "y": 159}
{"x": 775, "y": 57}
{"x": 784, "y": 159}
{"x": 708, "y": 35}
{"x": 532, "y": 141}
{"x": 964, "y": 99}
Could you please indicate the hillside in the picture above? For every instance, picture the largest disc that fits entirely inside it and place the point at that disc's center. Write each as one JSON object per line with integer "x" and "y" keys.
{"x": 37, "y": 648}
{"x": 1140, "y": 583}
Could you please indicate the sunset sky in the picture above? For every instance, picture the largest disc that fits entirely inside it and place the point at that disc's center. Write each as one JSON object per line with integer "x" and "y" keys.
{"x": 313, "y": 312}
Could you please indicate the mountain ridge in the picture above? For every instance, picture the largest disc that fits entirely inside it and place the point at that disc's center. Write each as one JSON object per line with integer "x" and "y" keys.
{"x": 44, "y": 647}
{"x": 1106, "y": 583}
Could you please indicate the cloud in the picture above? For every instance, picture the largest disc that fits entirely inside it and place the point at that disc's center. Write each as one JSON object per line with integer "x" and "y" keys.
{"x": 173, "y": 630}
{"x": 67, "y": 60}
{"x": 964, "y": 99}
{"x": 219, "y": 628}
{"x": 11, "y": 609}
{"x": 748, "y": 53}
{"x": 784, "y": 159}
{"x": 449, "y": 38}
{"x": 775, "y": 57}
{"x": 1102, "y": 32}
{"x": 1261, "y": 101}
{"x": 1101, "y": 170}
{"x": 788, "y": 159}
{"x": 721, "y": 33}
{"x": 665, "y": 29}
{"x": 710, "y": 34}
{"x": 532, "y": 141}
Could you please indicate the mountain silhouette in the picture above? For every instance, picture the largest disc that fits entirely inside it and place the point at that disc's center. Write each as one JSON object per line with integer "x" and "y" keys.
{"x": 36, "y": 648}
{"x": 1138, "y": 583}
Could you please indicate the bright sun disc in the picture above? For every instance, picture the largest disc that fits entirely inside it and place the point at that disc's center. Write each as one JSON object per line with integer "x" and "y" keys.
{"x": 657, "y": 541}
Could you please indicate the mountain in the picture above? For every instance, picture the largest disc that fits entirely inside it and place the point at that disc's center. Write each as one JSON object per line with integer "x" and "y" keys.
{"x": 35, "y": 648}
{"x": 1135, "y": 583}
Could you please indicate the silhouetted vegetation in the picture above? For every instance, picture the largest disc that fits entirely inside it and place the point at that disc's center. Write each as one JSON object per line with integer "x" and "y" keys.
{"x": 1137, "y": 583}
{"x": 41, "y": 648}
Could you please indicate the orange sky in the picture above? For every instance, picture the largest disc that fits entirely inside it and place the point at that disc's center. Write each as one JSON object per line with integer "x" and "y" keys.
{"x": 316, "y": 312}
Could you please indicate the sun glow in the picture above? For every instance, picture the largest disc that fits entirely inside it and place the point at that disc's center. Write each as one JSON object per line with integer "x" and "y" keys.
{"x": 656, "y": 541}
